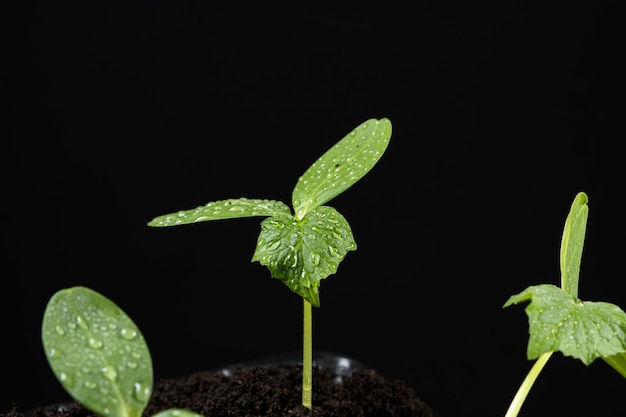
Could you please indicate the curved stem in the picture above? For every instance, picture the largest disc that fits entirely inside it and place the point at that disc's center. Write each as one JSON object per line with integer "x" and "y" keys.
{"x": 307, "y": 357}
{"x": 527, "y": 384}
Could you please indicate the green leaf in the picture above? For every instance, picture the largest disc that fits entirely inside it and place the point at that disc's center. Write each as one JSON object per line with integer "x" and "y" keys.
{"x": 560, "y": 322}
{"x": 617, "y": 362}
{"x": 97, "y": 353}
{"x": 341, "y": 166}
{"x": 572, "y": 243}
{"x": 177, "y": 412}
{"x": 224, "y": 209}
{"x": 303, "y": 252}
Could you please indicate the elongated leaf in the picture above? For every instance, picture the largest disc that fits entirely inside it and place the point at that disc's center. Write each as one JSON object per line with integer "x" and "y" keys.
{"x": 561, "y": 322}
{"x": 341, "y": 166}
{"x": 302, "y": 253}
{"x": 97, "y": 353}
{"x": 572, "y": 243}
{"x": 223, "y": 209}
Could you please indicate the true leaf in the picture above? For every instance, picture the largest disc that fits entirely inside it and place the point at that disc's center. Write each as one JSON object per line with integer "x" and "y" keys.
{"x": 303, "y": 252}
{"x": 560, "y": 322}
{"x": 341, "y": 166}
{"x": 97, "y": 353}
{"x": 223, "y": 209}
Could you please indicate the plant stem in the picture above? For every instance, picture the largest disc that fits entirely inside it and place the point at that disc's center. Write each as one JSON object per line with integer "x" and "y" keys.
{"x": 527, "y": 384}
{"x": 307, "y": 357}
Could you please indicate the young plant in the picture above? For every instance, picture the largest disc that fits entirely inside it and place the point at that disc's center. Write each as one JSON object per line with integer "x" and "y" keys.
{"x": 304, "y": 247}
{"x": 559, "y": 321}
{"x": 99, "y": 355}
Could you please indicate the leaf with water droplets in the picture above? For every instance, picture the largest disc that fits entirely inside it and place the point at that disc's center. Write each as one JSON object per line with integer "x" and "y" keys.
{"x": 301, "y": 253}
{"x": 559, "y": 322}
{"x": 341, "y": 166}
{"x": 97, "y": 353}
{"x": 224, "y": 209}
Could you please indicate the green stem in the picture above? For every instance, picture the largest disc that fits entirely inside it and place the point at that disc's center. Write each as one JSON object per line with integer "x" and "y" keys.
{"x": 527, "y": 384}
{"x": 307, "y": 357}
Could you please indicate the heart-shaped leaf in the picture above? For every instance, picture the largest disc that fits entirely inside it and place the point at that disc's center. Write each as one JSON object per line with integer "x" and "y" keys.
{"x": 303, "y": 252}
{"x": 559, "y": 322}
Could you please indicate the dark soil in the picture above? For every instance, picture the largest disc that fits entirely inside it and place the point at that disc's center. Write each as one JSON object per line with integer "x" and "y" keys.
{"x": 271, "y": 391}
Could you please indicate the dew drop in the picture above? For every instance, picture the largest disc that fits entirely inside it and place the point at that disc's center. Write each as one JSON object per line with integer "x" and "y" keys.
{"x": 109, "y": 372}
{"x": 141, "y": 391}
{"x": 82, "y": 323}
{"x": 66, "y": 380}
{"x": 59, "y": 330}
{"x": 95, "y": 343}
{"x": 274, "y": 246}
{"x": 90, "y": 384}
{"x": 128, "y": 334}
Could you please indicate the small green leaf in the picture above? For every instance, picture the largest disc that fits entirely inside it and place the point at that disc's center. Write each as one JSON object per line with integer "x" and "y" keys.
{"x": 224, "y": 209}
{"x": 572, "y": 243}
{"x": 560, "y": 322}
{"x": 97, "y": 353}
{"x": 303, "y": 252}
{"x": 341, "y": 166}
{"x": 617, "y": 362}
{"x": 177, "y": 412}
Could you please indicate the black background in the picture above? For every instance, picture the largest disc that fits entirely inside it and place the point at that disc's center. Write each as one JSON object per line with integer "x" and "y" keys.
{"x": 501, "y": 113}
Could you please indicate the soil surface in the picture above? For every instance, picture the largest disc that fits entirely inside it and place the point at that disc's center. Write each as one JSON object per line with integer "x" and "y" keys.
{"x": 270, "y": 391}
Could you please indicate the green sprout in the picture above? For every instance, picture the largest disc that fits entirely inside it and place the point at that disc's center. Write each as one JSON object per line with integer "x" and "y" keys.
{"x": 560, "y": 321}
{"x": 99, "y": 355}
{"x": 304, "y": 247}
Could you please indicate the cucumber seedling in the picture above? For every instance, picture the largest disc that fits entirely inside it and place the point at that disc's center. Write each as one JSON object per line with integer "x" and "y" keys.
{"x": 302, "y": 247}
{"x": 560, "y": 321}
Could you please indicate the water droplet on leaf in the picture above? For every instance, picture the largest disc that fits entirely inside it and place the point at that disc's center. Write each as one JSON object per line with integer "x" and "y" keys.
{"x": 141, "y": 391}
{"x": 95, "y": 343}
{"x": 128, "y": 334}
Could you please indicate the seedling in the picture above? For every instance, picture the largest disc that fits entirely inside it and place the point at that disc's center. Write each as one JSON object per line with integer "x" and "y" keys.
{"x": 99, "y": 355}
{"x": 302, "y": 248}
{"x": 560, "y": 321}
